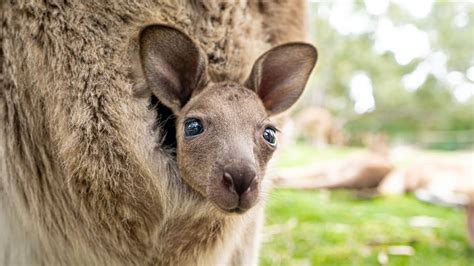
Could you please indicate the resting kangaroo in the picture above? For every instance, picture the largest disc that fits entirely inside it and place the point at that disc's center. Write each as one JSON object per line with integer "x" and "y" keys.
{"x": 91, "y": 175}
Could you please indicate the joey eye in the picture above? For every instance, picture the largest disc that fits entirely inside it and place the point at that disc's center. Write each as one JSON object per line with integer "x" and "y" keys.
{"x": 193, "y": 127}
{"x": 269, "y": 135}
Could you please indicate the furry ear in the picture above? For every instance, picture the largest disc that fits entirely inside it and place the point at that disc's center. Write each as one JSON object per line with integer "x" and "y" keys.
{"x": 172, "y": 63}
{"x": 280, "y": 75}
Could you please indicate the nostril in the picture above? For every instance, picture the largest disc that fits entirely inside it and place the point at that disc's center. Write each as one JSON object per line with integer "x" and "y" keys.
{"x": 243, "y": 184}
{"x": 253, "y": 185}
{"x": 228, "y": 181}
{"x": 249, "y": 186}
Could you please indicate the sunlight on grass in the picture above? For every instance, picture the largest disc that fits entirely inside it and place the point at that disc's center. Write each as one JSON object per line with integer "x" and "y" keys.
{"x": 337, "y": 228}
{"x": 302, "y": 154}
{"x": 334, "y": 228}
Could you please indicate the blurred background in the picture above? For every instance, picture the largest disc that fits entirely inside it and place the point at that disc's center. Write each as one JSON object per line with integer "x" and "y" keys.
{"x": 376, "y": 164}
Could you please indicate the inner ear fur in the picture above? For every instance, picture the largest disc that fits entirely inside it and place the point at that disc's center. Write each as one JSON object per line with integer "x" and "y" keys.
{"x": 173, "y": 65}
{"x": 280, "y": 75}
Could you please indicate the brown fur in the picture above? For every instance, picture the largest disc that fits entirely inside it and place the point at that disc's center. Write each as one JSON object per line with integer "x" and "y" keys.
{"x": 359, "y": 171}
{"x": 470, "y": 224}
{"x": 84, "y": 180}
{"x": 319, "y": 127}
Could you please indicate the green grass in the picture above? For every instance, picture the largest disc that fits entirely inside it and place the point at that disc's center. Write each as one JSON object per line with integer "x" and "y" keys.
{"x": 337, "y": 228}
{"x": 302, "y": 154}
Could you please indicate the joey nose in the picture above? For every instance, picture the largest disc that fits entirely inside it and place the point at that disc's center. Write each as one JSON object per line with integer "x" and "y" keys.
{"x": 239, "y": 178}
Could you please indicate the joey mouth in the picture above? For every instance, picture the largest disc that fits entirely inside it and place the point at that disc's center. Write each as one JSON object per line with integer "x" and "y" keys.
{"x": 237, "y": 210}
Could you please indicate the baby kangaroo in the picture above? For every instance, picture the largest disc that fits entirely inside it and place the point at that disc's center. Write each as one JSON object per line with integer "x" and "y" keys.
{"x": 224, "y": 136}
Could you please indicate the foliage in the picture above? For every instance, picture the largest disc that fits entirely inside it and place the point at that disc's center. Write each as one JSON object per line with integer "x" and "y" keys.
{"x": 401, "y": 112}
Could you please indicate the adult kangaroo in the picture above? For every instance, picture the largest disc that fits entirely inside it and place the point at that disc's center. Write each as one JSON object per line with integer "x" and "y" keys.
{"x": 89, "y": 145}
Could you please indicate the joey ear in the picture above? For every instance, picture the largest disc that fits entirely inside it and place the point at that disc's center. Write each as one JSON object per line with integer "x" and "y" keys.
{"x": 279, "y": 76}
{"x": 172, "y": 63}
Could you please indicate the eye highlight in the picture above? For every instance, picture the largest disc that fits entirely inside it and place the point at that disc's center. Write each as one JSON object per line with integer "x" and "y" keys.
{"x": 193, "y": 127}
{"x": 269, "y": 134}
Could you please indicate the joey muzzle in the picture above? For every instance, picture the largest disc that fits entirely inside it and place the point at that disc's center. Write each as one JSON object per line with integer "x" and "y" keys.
{"x": 239, "y": 185}
{"x": 239, "y": 178}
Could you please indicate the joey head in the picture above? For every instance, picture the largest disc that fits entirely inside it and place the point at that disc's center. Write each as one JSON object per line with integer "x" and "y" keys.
{"x": 223, "y": 132}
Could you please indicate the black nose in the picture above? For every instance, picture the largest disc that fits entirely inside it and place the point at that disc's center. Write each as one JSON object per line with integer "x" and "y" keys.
{"x": 239, "y": 177}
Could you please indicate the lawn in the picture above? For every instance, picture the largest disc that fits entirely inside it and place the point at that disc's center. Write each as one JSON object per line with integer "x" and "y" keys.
{"x": 337, "y": 228}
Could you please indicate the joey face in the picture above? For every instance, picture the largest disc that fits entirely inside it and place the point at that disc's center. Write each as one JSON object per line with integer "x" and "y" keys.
{"x": 224, "y": 135}
{"x": 225, "y": 140}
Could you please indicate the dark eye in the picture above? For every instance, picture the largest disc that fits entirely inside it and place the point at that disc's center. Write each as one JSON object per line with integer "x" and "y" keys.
{"x": 269, "y": 135}
{"x": 193, "y": 127}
